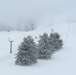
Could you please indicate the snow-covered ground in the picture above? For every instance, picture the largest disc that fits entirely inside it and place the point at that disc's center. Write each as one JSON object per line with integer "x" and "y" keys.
{"x": 61, "y": 63}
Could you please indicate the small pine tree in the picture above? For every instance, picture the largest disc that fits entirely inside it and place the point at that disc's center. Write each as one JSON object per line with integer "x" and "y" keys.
{"x": 44, "y": 47}
{"x": 55, "y": 41}
{"x": 27, "y": 53}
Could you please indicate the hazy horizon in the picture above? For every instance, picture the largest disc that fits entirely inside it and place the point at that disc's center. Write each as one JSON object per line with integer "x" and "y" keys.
{"x": 42, "y": 11}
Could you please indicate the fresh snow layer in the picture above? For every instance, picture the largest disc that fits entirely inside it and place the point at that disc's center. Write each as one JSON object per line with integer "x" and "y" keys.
{"x": 61, "y": 63}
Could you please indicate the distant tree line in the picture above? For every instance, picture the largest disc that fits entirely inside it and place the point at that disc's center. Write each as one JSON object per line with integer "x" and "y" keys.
{"x": 21, "y": 26}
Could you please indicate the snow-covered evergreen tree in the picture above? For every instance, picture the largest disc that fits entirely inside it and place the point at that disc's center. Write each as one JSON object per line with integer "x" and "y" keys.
{"x": 55, "y": 41}
{"x": 27, "y": 53}
{"x": 44, "y": 47}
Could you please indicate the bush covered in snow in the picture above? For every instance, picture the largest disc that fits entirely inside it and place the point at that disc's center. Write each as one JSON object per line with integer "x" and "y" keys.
{"x": 44, "y": 47}
{"x": 55, "y": 41}
{"x": 27, "y": 53}
{"x": 47, "y": 45}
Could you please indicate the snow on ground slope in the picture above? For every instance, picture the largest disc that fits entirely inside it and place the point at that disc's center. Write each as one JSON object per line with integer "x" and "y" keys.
{"x": 61, "y": 63}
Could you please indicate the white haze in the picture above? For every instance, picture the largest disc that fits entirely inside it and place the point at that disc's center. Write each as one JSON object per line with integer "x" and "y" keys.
{"x": 44, "y": 12}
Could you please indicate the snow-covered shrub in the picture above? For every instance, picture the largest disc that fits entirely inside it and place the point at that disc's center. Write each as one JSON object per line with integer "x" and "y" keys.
{"x": 55, "y": 41}
{"x": 44, "y": 47}
{"x": 27, "y": 53}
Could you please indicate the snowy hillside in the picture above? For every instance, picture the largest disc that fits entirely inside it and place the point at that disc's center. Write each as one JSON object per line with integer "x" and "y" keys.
{"x": 61, "y": 63}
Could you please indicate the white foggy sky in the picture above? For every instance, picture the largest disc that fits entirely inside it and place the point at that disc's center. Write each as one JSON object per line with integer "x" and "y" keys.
{"x": 11, "y": 11}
